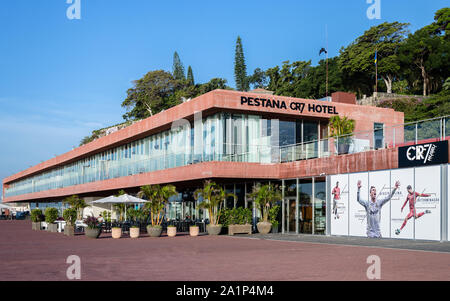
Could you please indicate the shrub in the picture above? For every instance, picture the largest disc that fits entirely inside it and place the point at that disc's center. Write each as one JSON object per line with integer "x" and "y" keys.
{"x": 36, "y": 215}
{"x": 273, "y": 214}
{"x": 91, "y": 222}
{"x": 51, "y": 214}
{"x": 236, "y": 216}
{"x": 70, "y": 216}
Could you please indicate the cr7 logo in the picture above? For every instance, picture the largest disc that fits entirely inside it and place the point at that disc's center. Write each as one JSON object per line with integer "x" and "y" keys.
{"x": 421, "y": 152}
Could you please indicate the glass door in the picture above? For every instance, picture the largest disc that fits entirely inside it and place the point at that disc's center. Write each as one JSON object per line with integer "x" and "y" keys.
{"x": 290, "y": 215}
{"x": 320, "y": 215}
{"x": 305, "y": 212}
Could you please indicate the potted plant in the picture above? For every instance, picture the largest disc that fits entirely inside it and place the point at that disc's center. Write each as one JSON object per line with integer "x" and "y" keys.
{"x": 92, "y": 230}
{"x": 213, "y": 197}
{"x": 134, "y": 231}
{"x": 240, "y": 221}
{"x": 51, "y": 214}
{"x": 194, "y": 230}
{"x": 273, "y": 215}
{"x": 171, "y": 231}
{"x": 70, "y": 216}
{"x": 158, "y": 197}
{"x": 116, "y": 232}
{"x": 263, "y": 198}
{"x": 36, "y": 218}
{"x": 341, "y": 129}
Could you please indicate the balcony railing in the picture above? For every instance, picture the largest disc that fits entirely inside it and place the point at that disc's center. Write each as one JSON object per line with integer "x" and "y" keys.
{"x": 430, "y": 130}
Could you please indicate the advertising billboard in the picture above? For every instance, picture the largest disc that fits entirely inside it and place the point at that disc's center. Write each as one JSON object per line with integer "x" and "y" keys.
{"x": 379, "y": 180}
{"x": 357, "y": 212}
{"x": 400, "y": 203}
{"x": 427, "y": 207}
{"x": 398, "y": 211}
{"x": 339, "y": 205}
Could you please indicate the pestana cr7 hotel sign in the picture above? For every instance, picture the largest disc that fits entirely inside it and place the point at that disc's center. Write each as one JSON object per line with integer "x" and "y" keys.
{"x": 294, "y": 106}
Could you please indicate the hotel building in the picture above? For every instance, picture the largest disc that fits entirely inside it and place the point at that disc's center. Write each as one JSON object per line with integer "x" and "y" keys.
{"x": 238, "y": 139}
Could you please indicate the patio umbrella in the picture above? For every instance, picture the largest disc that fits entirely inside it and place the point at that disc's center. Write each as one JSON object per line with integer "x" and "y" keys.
{"x": 122, "y": 199}
{"x": 4, "y": 206}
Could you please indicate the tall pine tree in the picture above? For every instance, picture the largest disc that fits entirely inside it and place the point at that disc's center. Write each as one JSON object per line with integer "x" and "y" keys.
{"x": 240, "y": 69}
{"x": 178, "y": 68}
{"x": 190, "y": 77}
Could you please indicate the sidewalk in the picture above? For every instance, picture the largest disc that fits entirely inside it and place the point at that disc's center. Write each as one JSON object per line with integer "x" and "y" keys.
{"x": 388, "y": 243}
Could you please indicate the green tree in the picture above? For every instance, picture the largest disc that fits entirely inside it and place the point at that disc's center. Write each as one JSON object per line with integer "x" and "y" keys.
{"x": 178, "y": 68}
{"x": 158, "y": 197}
{"x": 151, "y": 94}
{"x": 213, "y": 197}
{"x": 259, "y": 79}
{"x": 240, "y": 69}
{"x": 425, "y": 54}
{"x": 341, "y": 126}
{"x": 264, "y": 196}
{"x": 77, "y": 203}
{"x": 359, "y": 56}
{"x": 190, "y": 76}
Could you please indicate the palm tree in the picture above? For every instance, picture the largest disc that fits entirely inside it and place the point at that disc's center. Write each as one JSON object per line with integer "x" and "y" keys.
{"x": 120, "y": 208}
{"x": 264, "y": 197}
{"x": 158, "y": 197}
{"x": 213, "y": 197}
{"x": 341, "y": 126}
{"x": 77, "y": 203}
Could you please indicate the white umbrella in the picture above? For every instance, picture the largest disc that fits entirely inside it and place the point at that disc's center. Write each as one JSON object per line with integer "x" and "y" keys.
{"x": 122, "y": 199}
{"x": 4, "y": 206}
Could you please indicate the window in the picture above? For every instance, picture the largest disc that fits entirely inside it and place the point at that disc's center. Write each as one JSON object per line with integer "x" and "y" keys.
{"x": 378, "y": 135}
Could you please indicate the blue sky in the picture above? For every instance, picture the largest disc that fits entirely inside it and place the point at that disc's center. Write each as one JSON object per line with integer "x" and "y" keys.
{"x": 60, "y": 79}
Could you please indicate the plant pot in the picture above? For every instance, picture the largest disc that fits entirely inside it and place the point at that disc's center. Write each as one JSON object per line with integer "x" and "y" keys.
{"x": 213, "y": 229}
{"x": 36, "y": 226}
{"x": 194, "y": 230}
{"x": 239, "y": 229}
{"x": 69, "y": 230}
{"x": 116, "y": 233}
{"x": 52, "y": 228}
{"x": 93, "y": 233}
{"x": 43, "y": 226}
{"x": 154, "y": 231}
{"x": 134, "y": 232}
{"x": 171, "y": 231}
{"x": 343, "y": 148}
{"x": 264, "y": 227}
{"x": 274, "y": 228}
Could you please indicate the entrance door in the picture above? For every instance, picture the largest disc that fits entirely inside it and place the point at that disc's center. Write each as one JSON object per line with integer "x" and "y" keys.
{"x": 290, "y": 216}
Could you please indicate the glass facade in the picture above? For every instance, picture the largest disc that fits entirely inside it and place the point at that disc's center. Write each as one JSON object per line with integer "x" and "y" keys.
{"x": 304, "y": 206}
{"x": 219, "y": 137}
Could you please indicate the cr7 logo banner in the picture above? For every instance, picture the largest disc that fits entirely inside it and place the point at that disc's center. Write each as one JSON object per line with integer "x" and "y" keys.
{"x": 423, "y": 154}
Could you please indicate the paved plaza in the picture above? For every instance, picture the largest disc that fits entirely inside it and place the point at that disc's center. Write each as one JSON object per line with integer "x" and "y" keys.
{"x": 38, "y": 255}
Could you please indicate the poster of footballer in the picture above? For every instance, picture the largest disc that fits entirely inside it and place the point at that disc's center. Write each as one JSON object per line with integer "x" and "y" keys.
{"x": 367, "y": 201}
{"x": 400, "y": 228}
{"x": 357, "y": 213}
{"x": 424, "y": 203}
{"x": 380, "y": 187}
{"x": 339, "y": 205}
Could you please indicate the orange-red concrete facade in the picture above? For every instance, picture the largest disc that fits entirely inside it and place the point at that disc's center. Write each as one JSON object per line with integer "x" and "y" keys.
{"x": 231, "y": 101}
